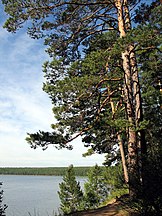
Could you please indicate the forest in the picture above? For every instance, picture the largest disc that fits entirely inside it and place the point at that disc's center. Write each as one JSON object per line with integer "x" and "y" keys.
{"x": 48, "y": 171}
{"x": 104, "y": 80}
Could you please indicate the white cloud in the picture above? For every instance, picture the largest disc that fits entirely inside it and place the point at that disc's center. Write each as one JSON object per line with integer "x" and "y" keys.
{"x": 25, "y": 108}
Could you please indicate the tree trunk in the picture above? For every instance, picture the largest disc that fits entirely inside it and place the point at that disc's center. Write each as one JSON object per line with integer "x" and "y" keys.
{"x": 129, "y": 96}
{"x": 142, "y": 148}
{"x": 120, "y": 142}
{"x": 125, "y": 170}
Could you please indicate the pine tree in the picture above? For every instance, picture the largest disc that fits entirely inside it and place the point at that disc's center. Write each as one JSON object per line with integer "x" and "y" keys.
{"x": 71, "y": 195}
{"x": 150, "y": 60}
{"x": 96, "y": 188}
{"x": 79, "y": 106}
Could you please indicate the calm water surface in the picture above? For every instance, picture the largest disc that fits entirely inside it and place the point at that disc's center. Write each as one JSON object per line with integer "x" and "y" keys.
{"x": 32, "y": 195}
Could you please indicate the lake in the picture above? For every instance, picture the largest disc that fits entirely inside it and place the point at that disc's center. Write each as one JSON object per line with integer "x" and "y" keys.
{"x": 32, "y": 195}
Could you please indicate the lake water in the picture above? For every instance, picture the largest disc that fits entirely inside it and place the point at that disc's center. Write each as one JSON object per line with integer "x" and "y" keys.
{"x": 32, "y": 195}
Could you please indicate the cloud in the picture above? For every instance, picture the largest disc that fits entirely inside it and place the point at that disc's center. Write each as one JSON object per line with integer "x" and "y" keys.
{"x": 28, "y": 107}
{"x": 24, "y": 107}
{"x": 21, "y": 94}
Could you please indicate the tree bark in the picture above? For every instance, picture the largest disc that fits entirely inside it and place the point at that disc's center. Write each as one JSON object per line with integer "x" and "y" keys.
{"x": 120, "y": 142}
{"x": 129, "y": 95}
{"x": 125, "y": 170}
{"x": 141, "y": 145}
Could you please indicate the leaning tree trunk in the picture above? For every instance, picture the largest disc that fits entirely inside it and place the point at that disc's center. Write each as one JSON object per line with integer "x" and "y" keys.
{"x": 121, "y": 147}
{"x": 130, "y": 96}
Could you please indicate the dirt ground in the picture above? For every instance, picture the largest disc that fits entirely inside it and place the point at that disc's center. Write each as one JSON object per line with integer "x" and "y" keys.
{"x": 111, "y": 209}
{"x": 114, "y": 208}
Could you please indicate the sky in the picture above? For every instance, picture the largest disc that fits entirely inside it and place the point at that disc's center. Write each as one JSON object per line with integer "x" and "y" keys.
{"x": 24, "y": 107}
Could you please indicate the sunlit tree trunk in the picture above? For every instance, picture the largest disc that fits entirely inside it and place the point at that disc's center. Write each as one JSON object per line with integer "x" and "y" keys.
{"x": 142, "y": 149}
{"x": 130, "y": 98}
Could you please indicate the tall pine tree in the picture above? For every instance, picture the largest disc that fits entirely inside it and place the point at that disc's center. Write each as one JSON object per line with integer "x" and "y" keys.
{"x": 68, "y": 27}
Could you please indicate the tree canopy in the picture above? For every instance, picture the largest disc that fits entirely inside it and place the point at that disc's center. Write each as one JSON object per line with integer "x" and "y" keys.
{"x": 103, "y": 75}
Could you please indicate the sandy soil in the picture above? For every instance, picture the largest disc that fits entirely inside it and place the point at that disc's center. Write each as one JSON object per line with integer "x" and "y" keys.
{"x": 111, "y": 209}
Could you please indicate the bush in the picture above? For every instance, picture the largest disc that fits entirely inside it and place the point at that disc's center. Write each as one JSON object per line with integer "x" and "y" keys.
{"x": 2, "y": 207}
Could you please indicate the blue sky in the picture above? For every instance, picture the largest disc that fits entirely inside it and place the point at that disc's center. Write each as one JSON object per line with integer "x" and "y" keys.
{"x": 24, "y": 107}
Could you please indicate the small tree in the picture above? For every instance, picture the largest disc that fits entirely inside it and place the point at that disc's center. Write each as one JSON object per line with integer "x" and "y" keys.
{"x": 96, "y": 188}
{"x": 2, "y": 207}
{"x": 71, "y": 195}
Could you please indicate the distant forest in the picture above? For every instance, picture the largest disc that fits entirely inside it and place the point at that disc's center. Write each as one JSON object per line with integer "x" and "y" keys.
{"x": 56, "y": 171}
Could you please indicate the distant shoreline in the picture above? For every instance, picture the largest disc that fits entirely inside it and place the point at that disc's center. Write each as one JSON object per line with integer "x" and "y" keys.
{"x": 43, "y": 171}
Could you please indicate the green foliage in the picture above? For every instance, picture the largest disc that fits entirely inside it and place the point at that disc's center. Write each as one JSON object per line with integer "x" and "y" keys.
{"x": 71, "y": 195}
{"x": 150, "y": 61}
{"x": 102, "y": 184}
{"x": 68, "y": 77}
{"x": 2, "y": 207}
{"x": 55, "y": 171}
{"x": 96, "y": 189}
{"x": 114, "y": 176}
{"x": 80, "y": 106}
{"x": 86, "y": 74}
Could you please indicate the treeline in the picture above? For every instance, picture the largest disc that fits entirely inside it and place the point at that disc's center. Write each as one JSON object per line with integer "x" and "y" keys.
{"x": 56, "y": 171}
